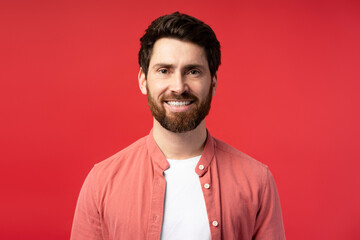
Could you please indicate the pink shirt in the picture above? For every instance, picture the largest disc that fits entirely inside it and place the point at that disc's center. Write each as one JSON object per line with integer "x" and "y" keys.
{"x": 123, "y": 196}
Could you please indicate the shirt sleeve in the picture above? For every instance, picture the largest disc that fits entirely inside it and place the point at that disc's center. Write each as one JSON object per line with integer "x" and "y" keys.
{"x": 269, "y": 222}
{"x": 86, "y": 223}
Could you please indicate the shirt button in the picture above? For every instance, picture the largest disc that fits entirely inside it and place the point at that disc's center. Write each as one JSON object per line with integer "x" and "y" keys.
{"x": 215, "y": 223}
{"x": 201, "y": 167}
{"x": 206, "y": 185}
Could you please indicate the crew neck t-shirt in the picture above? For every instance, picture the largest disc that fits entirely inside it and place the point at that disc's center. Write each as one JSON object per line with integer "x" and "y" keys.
{"x": 185, "y": 215}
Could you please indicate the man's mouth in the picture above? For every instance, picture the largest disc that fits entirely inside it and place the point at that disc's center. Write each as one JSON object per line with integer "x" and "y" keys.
{"x": 179, "y": 103}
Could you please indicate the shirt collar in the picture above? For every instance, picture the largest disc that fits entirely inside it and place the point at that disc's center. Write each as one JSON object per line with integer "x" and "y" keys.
{"x": 207, "y": 155}
{"x": 160, "y": 161}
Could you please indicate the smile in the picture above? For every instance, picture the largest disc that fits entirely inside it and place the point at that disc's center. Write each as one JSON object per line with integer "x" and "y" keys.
{"x": 178, "y": 103}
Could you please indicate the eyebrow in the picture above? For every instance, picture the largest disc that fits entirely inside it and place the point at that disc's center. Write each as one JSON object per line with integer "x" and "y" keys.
{"x": 186, "y": 67}
{"x": 191, "y": 66}
{"x": 164, "y": 65}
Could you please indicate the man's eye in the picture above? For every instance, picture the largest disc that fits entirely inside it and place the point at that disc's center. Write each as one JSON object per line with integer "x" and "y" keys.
{"x": 163, "y": 71}
{"x": 193, "y": 72}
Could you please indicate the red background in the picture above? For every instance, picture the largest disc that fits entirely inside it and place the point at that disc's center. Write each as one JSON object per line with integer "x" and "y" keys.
{"x": 288, "y": 95}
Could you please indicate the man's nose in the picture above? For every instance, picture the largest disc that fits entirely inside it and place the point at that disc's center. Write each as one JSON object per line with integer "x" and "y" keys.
{"x": 178, "y": 83}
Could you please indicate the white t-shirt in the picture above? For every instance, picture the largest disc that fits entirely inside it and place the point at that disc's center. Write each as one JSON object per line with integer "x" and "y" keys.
{"x": 185, "y": 215}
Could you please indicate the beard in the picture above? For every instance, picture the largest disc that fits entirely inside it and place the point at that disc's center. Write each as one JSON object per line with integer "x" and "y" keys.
{"x": 180, "y": 122}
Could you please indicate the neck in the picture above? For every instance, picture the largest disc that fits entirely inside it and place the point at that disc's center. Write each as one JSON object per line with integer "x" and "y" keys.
{"x": 180, "y": 145}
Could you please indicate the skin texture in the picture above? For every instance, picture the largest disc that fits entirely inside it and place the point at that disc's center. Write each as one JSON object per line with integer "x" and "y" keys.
{"x": 178, "y": 71}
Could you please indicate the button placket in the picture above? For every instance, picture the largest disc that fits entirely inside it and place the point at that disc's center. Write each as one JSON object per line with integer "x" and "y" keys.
{"x": 156, "y": 209}
{"x": 211, "y": 201}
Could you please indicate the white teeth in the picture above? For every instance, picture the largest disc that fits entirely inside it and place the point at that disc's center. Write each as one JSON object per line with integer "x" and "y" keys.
{"x": 177, "y": 103}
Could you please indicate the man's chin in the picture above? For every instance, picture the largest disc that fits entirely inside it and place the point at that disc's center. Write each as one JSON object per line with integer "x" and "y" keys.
{"x": 178, "y": 125}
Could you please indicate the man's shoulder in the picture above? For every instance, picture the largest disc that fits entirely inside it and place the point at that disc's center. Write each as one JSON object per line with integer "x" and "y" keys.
{"x": 235, "y": 156}
{"x": 115, "y": 162}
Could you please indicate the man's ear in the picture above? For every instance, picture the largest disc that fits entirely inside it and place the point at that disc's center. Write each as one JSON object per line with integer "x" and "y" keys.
{"x": 214, "y": 83}
{"x": 142, "y": 81}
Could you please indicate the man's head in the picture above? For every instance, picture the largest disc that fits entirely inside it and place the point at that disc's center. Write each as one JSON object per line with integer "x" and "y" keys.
{"x": 183, "y": 27}
{"x": 179, "y": 58}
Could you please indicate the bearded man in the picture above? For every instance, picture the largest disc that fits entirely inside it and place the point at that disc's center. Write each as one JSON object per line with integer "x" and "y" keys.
{"x": 178, "y": 182}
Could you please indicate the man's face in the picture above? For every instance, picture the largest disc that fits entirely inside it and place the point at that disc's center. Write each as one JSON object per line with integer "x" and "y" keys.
{"x": 179, "y": 86}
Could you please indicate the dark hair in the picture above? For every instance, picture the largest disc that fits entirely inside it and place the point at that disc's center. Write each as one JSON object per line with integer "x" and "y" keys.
{"x": 183, "y": 27}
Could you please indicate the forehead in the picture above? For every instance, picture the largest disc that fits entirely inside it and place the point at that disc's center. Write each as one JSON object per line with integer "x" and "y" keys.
{"x": 177, "y": 52}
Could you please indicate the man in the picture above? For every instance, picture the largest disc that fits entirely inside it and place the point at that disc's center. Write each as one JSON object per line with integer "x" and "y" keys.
{"x": 178, "y": 182}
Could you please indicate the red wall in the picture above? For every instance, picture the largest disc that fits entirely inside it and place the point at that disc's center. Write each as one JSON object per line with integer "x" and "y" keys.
{"x": 288, "y": 95}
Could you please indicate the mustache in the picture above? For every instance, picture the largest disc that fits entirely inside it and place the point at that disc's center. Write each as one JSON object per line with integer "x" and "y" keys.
{"x": 182, "y": 96}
